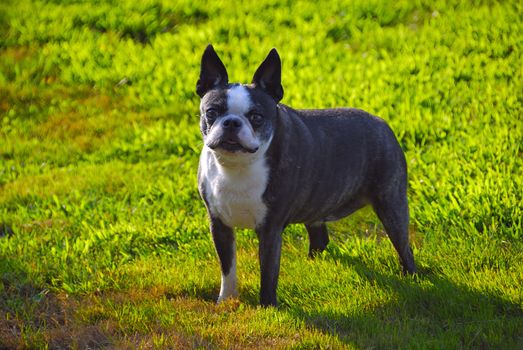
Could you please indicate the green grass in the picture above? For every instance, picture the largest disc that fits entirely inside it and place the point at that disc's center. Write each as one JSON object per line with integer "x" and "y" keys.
{"x": 103, "y": 238}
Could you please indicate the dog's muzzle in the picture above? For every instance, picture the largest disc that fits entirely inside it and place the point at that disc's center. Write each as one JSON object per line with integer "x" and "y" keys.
{"x": 232, "y": 134}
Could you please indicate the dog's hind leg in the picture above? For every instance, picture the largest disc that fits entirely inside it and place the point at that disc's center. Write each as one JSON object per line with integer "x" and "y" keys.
{"x": 318, "y": 238}
{"x": 393, "y": 211}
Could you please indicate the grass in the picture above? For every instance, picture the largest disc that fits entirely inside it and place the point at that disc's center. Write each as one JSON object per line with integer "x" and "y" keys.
{"x": 103, "y": 238}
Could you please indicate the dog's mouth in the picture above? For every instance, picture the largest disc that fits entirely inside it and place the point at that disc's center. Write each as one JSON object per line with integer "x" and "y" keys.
{"x": 232, "y": 145}
{"x": 231, "y": 142}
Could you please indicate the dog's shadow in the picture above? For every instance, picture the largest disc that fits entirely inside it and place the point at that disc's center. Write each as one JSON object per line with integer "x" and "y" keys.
{"x": 426, "y": 309}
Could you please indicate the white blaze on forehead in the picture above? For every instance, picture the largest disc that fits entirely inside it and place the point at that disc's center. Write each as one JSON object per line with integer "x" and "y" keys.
{"x": 238, "y": 100}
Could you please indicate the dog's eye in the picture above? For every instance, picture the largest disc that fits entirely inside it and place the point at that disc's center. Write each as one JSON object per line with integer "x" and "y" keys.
{"x": 211, "y": 114}
{"x": 256, "y": 119}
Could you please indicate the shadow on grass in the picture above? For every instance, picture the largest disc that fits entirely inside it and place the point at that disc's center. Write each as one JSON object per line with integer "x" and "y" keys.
{"x": 210, "y": 293}
{"x": 427, "y": 311}
{"x": 33, "y": 317}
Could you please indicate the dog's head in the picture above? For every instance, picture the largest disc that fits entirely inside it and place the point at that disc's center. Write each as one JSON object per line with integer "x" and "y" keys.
{"x": 238, "y": 118}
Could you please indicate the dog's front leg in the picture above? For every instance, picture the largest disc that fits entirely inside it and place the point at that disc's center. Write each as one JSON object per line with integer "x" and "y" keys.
{"x": 270, "y": 238}
{"x": 225, "y": 244}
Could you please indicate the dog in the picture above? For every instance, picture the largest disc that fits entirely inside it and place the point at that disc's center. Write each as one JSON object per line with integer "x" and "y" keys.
{"x": 265, "y": 165}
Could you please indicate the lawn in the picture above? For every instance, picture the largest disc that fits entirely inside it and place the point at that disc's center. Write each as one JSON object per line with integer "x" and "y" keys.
{"x": 104, "y": 241}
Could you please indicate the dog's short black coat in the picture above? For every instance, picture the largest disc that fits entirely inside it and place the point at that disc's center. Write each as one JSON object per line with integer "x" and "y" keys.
{"x": 322, "y": 165}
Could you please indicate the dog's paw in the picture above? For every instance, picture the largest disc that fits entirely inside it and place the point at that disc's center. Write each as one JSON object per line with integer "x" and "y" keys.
{"x": 228, "y": 296}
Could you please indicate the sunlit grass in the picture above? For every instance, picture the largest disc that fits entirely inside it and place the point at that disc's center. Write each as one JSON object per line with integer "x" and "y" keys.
{"x": 103, "y": 237}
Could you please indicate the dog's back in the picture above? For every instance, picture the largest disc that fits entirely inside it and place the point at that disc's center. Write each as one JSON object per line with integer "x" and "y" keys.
{"x": 343, "y": 157}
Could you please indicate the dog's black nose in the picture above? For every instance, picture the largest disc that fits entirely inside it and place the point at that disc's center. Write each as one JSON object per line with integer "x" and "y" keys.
{"x": 232, "y": 123}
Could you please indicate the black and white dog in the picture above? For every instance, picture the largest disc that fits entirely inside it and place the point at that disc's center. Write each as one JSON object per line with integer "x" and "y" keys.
{"x": 265, "y": 165}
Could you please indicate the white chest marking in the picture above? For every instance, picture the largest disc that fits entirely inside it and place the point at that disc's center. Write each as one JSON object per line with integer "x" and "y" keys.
{"x": 235, "y": 192}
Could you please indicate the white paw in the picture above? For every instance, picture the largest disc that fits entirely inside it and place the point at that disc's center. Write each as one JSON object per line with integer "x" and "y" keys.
{"x": 232, "y": 295}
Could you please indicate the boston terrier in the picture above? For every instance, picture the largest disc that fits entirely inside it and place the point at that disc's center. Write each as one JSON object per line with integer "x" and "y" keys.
{"x": 265, "y": 165}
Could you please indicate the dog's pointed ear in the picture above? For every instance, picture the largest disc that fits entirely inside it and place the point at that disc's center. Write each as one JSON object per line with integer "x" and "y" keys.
{"x": 268, "y": 76}
{"x": 212, "y": 72}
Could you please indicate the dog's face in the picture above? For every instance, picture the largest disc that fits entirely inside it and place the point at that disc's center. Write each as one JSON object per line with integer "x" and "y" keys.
{"x": 235, "y": 118}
